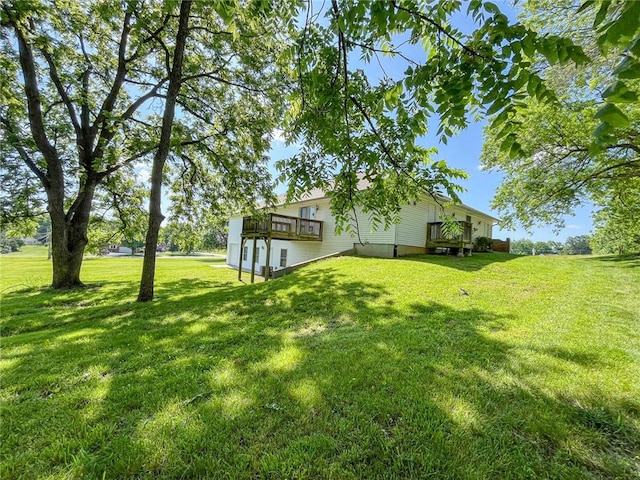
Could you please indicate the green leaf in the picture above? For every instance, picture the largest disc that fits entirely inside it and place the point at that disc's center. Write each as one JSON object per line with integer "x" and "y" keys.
{"x": 504, "y": 131}
{"x": 515, "y": 150}
{"x": 603, "y": 134}
{"x": 612, "y": 115}
{"x": 532, "y": 86}
{"x": 634, "y": 47}
{"x": 491, "y": 8}
{"x": 602, "y": 13}
{"x": 620, "y": 93}
{"x": 629, "y": 68}
{"x": 528, "y": 46}
{"x": 586, "y": 5}
{"x": 495, "y": 107}
{"x": 550, "y": 49}
{"x": 507, "y": 143}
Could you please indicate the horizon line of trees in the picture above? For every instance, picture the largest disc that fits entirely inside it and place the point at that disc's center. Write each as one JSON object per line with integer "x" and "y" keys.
{"x": 578, "y": 245}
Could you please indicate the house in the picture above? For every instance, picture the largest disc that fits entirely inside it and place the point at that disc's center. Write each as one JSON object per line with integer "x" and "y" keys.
{"x": 116, "y": 248}
{"x": 305, "y": 230}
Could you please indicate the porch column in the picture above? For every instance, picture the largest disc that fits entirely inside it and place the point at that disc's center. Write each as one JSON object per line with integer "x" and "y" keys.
{"x": 268, "y": 265}
{"x": 253, "y": 259}
{"x": 242, "y": 242}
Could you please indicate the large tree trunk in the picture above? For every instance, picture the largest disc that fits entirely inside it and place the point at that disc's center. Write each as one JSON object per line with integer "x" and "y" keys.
{"x": 155, "y": 213}
{"x": 69, "y": 238}
{"x": 68, "y": 230}
{"x": 67, "y": 254}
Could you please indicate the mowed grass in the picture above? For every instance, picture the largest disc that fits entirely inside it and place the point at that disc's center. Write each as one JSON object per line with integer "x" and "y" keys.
{"x": 348, "y": 368}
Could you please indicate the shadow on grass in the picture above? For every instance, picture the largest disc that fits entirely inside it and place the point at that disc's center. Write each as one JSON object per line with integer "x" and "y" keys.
{"x": 315, "y": 375}
{"x": 467, "y": 264}
{"x": 624, "y": 261}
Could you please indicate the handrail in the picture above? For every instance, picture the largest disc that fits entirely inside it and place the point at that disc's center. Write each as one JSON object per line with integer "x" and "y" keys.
{"x": 436, "y": 233}
{"x": 275, "y": 224}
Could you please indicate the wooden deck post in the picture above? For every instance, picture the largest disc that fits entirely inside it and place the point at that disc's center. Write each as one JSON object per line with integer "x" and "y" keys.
{"x": 267, "y": 267}
{"x": 253, "y": 260}
{"x": 242, "y": 242}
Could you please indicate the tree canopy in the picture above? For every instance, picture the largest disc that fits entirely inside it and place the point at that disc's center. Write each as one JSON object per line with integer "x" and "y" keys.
{"x": 584, "y": 148}
{"x": 80, "y": 108}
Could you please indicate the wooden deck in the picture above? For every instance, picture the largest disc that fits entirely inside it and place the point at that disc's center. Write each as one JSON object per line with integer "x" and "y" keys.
{"x": 274, "y": 226}
{"x": 462, "y": 245}
{"x": 282, "y": 227}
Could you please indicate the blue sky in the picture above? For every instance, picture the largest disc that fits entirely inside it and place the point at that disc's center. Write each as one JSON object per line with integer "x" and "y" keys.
{"x": 463, "y": 151}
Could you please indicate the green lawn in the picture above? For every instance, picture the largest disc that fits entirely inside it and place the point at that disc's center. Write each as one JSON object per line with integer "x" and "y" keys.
{"x": 348, "y": 368}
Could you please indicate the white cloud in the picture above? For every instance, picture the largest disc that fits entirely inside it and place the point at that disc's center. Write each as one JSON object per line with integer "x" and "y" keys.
{"x": 278, "y": 136}
{"x": 142, "y": 171}
{"x": 573, "y": 226}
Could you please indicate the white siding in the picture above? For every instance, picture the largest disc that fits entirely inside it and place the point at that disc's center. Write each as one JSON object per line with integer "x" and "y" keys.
{"x": 233, "y": 238}
{"x": 412, "y": 230}
{"x": 301, "y": 251}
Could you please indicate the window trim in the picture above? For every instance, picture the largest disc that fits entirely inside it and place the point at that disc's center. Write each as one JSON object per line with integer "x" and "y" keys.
{"x": 310, "y": 210}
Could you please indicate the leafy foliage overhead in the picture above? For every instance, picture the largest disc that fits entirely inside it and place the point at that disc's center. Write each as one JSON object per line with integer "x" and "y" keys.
{"x": 586, "y": 147}
{"x": 352, "y": 124}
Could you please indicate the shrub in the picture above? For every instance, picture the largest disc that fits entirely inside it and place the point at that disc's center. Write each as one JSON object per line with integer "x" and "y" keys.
{"x": 483, "y": 244}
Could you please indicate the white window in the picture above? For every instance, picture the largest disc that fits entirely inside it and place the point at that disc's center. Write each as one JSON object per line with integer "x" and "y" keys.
{"x": 283, "y": 257}
{"x": 308, "y": 212}
{"x": 257, "y": 255}
{"x": 245, "y": 253}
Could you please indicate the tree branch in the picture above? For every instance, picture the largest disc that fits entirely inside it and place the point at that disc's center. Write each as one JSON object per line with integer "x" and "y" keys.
{"x": 34, "y": 104}
{"x": 110, "y": 100}
{"x": 53, "y": 73}
{"x": 138, "y": 103}
{"x": 108, "y": 134}
{"x": 440, "y": 28}
{"x": 388, "y": 154}
{"x": 377, "y": 50}
{"x": 118, "y": 166}
{"x": 26, "y": 158}
{"x": 223, "y": 80}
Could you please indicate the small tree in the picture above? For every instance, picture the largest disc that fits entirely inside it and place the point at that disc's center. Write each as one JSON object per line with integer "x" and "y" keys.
{"x": 521, "y": 247}
{"x": 579, "y": 245}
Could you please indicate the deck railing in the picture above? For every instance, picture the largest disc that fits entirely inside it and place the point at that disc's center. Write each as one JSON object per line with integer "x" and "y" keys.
{"x": 435, "y": 234}
{"x": 282, "y": 226}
